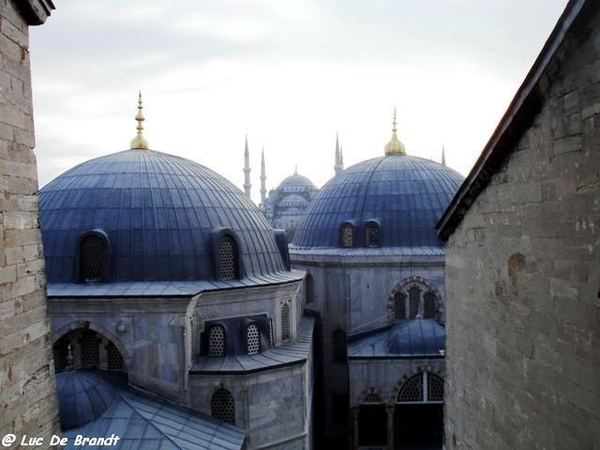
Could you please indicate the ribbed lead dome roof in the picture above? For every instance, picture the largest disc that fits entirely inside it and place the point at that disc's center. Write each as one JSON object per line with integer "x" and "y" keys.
{"x": 158, "y": 211}
{"x": 404, "y": 194}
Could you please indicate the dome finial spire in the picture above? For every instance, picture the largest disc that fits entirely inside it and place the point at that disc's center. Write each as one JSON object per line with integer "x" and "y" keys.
{"x": 394, "y": 147}
{"x": 139, "y": 141}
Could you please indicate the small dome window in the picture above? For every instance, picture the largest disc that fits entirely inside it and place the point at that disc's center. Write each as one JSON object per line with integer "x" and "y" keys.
{"x": 347, "y": 234}
{"x": 216, "y": 341}
{"x": 253, "y": 339}
{"x": 92, "y": 251}
{"x": 373, "y": 234}
{"x": 222, "y": 406}
{"x": 227, "y": 258}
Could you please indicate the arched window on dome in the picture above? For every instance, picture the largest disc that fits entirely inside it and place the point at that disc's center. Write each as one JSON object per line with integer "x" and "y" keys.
{"x": 252, "y": 339}
{"x": 91, "y": 258}
{"x": 227, "y": 258}
{"x": 216, "y": 341}
{"x": 347, "y": 235}
{"x": 373, "y": 234}
{"x": 285, "y": 322}
{"x": 222, "y": 406}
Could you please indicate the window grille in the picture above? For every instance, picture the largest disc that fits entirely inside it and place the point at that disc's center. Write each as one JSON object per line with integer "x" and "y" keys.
{"x": 435, "y": 388}
{"x": 373, "y": 234}
{"x": 90, "y": 350}
{"x": 412, "y": 391}
{"x": 285, "y": 322}
{"x": 399, "y": 306}
{"x": 92, "y": 253}
{"x": 222, "y": 406}
{"x": 347, "y": 235}
{"x": 372, "y": 397}
{"x": 414, "y": 301}
{"x": 429, "y": 304}
{"x": 216, "y": 341}
{"x": 226, "y": 259}
{"x": 114, "y": 358}
{"x": 339, "y": 346}
{"x": 253, "y": 338}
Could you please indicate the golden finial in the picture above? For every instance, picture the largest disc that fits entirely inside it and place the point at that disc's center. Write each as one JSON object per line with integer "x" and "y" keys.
{"x": 139, "y": 141}
{"x": 395, "y": 147}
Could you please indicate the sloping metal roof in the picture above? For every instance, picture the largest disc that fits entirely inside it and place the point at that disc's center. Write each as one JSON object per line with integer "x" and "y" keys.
{"x": 144, "y": 422}
{"x": 159, "y": 212}
{"x": 405, "y": 194}
{"x": 292, "y": 352}
{"x": 407, "y": 339}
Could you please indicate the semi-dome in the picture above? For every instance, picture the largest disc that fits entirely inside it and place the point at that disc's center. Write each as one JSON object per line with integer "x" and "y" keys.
{"x": 159, "y": 216}
{"x": 389, "y": 201}
{"x": 82, "y": 397}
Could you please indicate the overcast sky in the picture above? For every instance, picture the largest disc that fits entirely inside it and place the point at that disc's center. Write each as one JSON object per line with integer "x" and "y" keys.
{"x": 288, "y": 73}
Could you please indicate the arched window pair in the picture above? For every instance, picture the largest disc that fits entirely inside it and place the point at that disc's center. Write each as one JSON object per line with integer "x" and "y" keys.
{"x": 372, "y": 234}
{"x": 217, "y": 340}
{"x": 415, "y": 301}
{"x": 422, "y": 388}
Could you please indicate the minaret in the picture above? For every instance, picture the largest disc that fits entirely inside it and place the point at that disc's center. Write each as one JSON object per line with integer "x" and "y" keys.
{"x": 443, "y": 155}
{"x": 394, "y": 147}
{"x": 139, "y": 142}
{"x": 247, "y": 184}
{"x": 263, "y": 178}
{"x": 339, "y": 160}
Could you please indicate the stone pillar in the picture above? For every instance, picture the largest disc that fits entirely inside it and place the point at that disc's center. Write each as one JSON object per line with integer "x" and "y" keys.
{"x": 354, "y": 414}
{"x": 390, "y": 409}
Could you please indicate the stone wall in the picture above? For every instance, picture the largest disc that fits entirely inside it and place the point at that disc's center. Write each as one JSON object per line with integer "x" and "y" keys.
{"x": 27, "y": 395}
{"x": 523, "y": 277}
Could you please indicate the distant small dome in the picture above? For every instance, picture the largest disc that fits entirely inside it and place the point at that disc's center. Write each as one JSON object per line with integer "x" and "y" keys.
{"x": 82, "y": 397}
{"x": 293, "y": 200}
{"x": 296, "y": 181}
{"x": 419, "y": 337}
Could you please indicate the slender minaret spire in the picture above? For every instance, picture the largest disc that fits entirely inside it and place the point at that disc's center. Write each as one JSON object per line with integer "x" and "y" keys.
{"x": 339, "y": 164}
{"x": 263, "y": 178}
{"x": 341, "y": 158}
{"x": 443, "y": 155}
{"x": 247, "y": 184}
{"x": 139, "y": 141}
{"x": 296, "y": 169}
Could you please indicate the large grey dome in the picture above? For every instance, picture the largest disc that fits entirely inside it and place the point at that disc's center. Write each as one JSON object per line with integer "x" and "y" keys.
{"x": 159, "y": 214}
{"x": 404, "y": 195}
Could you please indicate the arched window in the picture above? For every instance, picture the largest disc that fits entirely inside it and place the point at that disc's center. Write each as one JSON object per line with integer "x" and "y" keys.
{"x": 222, "y": 406}
{"x": 227, "y": 258}
{"x": 339, "y": 346}
{"x": 91, "y": 258}
{"x": 373, "y": 234}
{"x": 285, "y": 322}
{"x": 347, "y": 235}
{"x": 429, "y": 301}
{"x": 253, "y": 339}
{"x": 216, "y": 341}
{"x": 399, "y": 306}
{"x": 422, "y": 388}
{"x": 414, "y": 301}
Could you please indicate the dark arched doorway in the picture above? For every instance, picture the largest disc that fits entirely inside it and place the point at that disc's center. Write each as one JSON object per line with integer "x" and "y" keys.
{"x": 87, "y": 349}
{"x": 419, "y": 414}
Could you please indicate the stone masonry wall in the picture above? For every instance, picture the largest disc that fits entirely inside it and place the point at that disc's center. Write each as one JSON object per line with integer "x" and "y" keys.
{"x": 27, "y": 395}
{"x": 523, "y": 282}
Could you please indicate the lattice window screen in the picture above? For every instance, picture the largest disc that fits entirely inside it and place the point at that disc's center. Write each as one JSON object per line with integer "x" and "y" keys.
{"x": 226, "y": 258}
{"x": 222, "y": 406}
{"x": 399, "y": 306}
{"x": 92, "y": 253}
{"x": 412, "y": 391}
{"x": 414, "y": 301}
{"x": 90, "y": 350}
{"x": 373, "y": 235}
{"x": 372, "y": 397}
{"x": 430, "y": 304}
{"x": 216, "y": 341}
{"x": 285, "y": 322}
{"x": 253, "y": 339}
{"x": 347, "y": 235}
{"x": 114, "y": 357}
{"x": 435, "y": 388}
